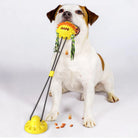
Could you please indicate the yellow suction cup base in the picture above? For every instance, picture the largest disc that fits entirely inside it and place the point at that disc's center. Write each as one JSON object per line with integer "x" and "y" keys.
{"x": 35, "y": 126}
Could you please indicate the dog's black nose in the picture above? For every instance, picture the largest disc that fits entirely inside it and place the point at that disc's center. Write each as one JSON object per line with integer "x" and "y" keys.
{"x": 67, "y": 14}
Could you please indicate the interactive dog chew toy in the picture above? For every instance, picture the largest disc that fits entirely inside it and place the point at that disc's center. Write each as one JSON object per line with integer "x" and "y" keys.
{"x": 65, "y": 30}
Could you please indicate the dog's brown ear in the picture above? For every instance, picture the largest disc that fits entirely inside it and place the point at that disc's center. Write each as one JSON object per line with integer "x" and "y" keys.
{"x": 51, "y": 14}
{"x": 92, "y": 17}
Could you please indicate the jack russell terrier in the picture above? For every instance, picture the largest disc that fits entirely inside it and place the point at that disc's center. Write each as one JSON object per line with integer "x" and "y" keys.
{"x": 87, "y": 73}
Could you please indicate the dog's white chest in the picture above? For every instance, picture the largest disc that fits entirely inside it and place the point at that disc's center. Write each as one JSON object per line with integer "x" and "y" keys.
{"x": 71, "y": 74}
{"x": 69, "y": 70}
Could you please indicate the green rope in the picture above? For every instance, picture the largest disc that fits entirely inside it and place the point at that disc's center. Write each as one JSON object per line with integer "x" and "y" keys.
{"x": 72, "y": 47}
{"x": 57, "y": 43}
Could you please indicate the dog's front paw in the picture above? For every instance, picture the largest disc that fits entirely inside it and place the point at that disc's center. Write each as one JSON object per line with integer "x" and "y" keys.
{"x": 88, "y": 122}
{"x": 52, "y": 116}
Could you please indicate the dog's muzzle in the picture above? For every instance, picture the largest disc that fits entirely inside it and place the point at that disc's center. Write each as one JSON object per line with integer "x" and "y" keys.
{"x": 67, "y": 15}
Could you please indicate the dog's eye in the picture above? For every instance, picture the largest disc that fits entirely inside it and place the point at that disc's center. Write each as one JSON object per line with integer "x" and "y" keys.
{"x": 79, "y": 12}
{"x": 61, "y": 10}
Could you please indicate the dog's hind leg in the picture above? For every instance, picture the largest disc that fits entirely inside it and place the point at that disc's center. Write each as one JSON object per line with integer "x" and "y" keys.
{"x": 82, "y": 97}
{"x": 64, "y": 90}
{"x": 112, "y": 98}
{"x": 99, "y": 87}
{"x": 108, "y": 84}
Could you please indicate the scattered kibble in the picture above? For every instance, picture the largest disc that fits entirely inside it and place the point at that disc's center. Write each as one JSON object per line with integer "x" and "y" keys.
{"x": 71, "y": 125}
{"x": 63, "y": 124}
{"x": 70, "y": 117}
{"x": 66, "y": 52}
{"x": 56, "y": 124}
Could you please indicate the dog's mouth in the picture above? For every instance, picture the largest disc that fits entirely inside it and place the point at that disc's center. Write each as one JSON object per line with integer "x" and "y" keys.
{"x": 77, "y": 27}
{"x": 77, "y": 30}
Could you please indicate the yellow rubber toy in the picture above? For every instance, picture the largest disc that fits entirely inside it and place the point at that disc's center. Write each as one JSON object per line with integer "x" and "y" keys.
{"x": 35, "y": 126}
{"x": 66, "y": 29}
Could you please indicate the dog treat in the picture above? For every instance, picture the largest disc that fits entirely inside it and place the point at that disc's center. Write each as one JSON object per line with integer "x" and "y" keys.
{"x": 63, "y": 124}
{"x": 57, "y": 127}
{"x": 56, "y": 124}
{"x": 66, "y": 52}
{"x": 71, "y": 125}
{"x": 70, "y": 116}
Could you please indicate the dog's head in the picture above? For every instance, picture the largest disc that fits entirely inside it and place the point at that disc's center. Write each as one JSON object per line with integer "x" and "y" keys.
{"x": 78, "y": 15}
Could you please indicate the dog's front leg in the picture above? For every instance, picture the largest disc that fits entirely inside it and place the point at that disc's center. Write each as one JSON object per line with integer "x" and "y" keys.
{"x": 88, "y": 103}
{"x": 56, "y": 89}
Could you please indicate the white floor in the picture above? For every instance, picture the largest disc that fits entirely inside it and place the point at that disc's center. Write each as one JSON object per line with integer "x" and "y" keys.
{"x": 19, "y": 91}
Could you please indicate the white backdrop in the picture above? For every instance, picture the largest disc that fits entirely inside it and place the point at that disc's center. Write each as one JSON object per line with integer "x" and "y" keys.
{"x": 26, "y": 45}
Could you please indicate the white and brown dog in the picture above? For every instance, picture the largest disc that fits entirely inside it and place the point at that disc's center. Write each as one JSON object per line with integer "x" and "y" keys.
{"x": 88, "y": 72}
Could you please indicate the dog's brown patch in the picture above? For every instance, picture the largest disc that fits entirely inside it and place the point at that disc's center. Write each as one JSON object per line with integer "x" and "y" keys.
{"x": 89, "y": 16}
{"x": 52, "y": 14}
{"x": 102, "y": 61}
{"x": 85, "y": 15}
